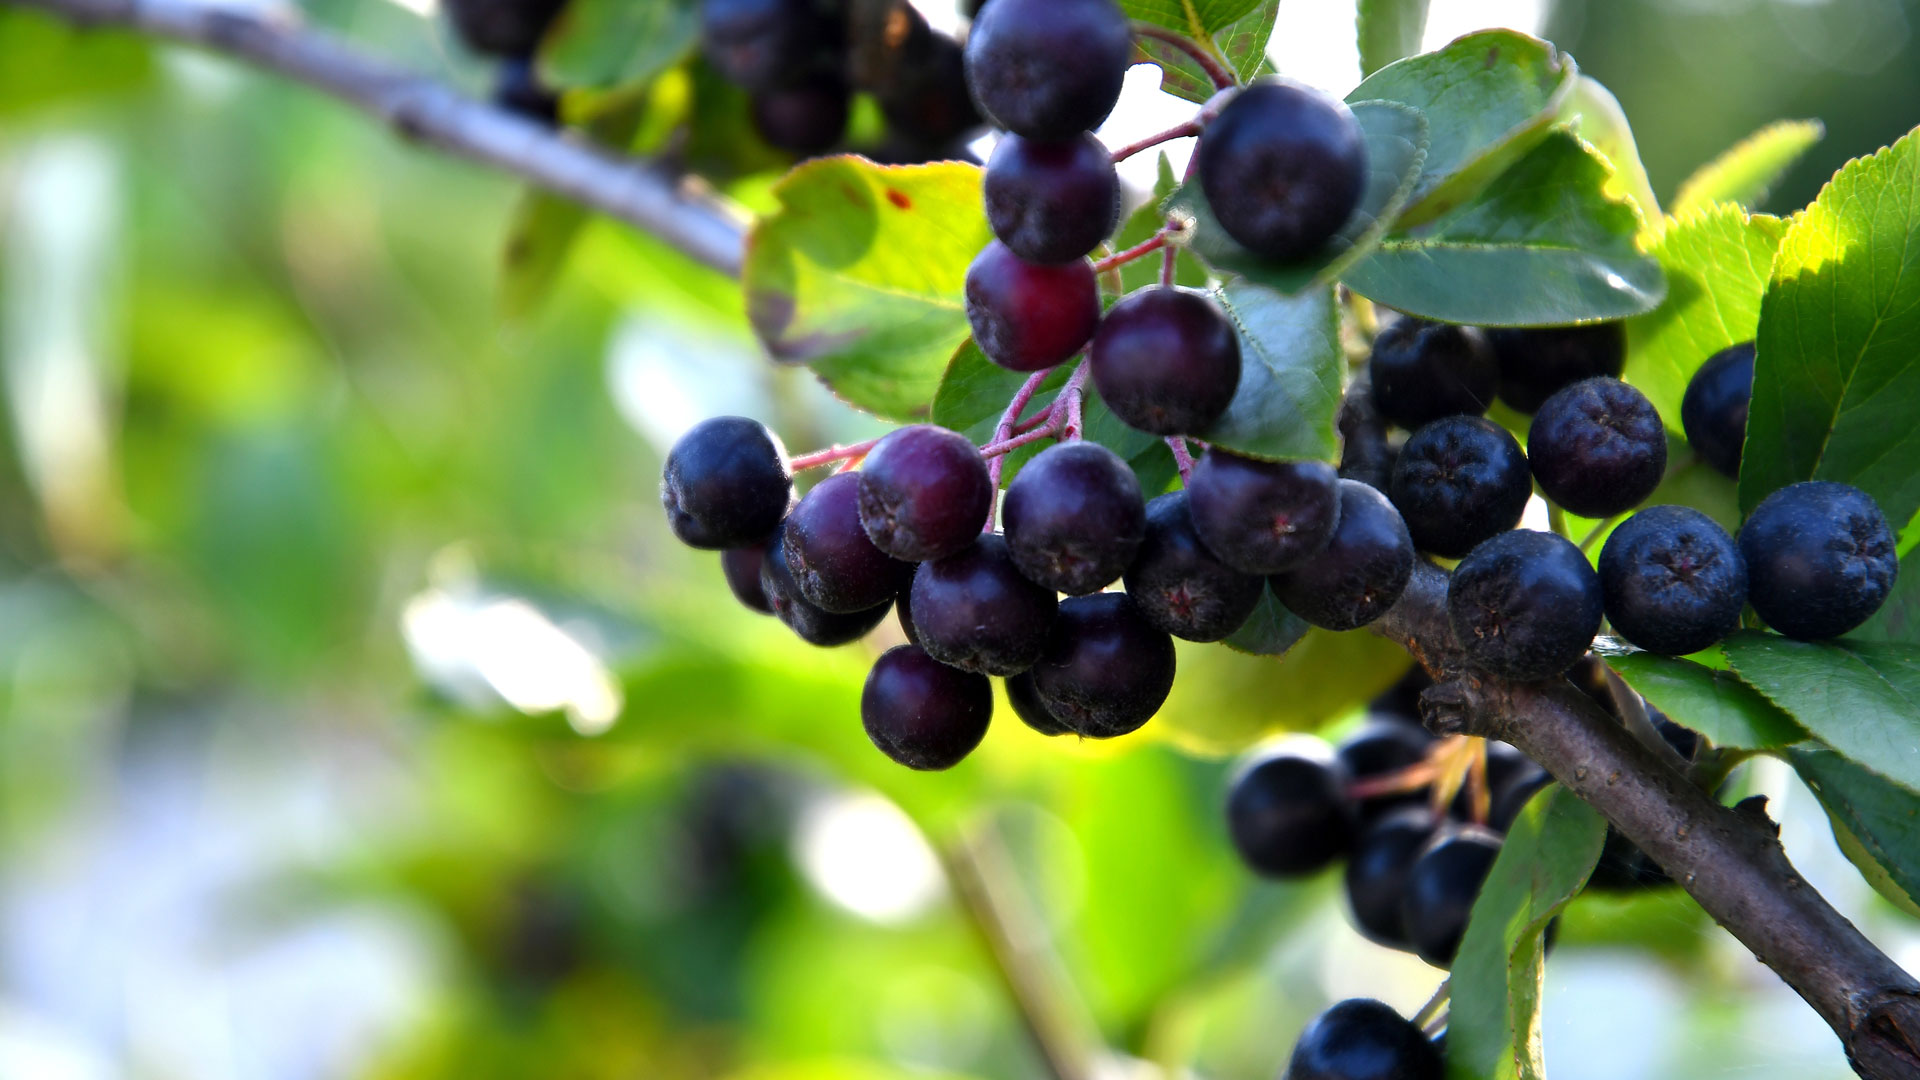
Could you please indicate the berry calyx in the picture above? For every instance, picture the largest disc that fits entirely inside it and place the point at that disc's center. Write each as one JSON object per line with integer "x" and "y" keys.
{"x": 1361, "y": 571}
{"x": 1288, "y": 810}
{"x": 838, "y": 569}
{"x": 1263, "y": 517}
{"x": 1106, "y": 670}
{"x": 1052, "y": 202}
{"x": 1048, "y": 69}
{"x": 1441, "y": 888}
{"x": 1363, "y": 1039}
{"x": 1525, "y": 605}
{"x": 1028, "y": 316}
{"x": 924, "y": 493}
{"x": 725, "y": 483}
{"x": 1283, "y": 167}
{"x": 1714, "y": 410}
{"x": 1166, "y": 361}
{"x": 922, "y": 713}
{"x": 1537, "y": 362}
{"x": 1074, "y": 517}
{"x": 1820, "y": 559}
{"x": 1458, "y": 482}
{"x": 1598, "y": 447}
{"x": 1422, "y": 371}
{"x": 974, "y": 610}
{"x": 1673, "y": 580}
{"x": 1179, "y": 585}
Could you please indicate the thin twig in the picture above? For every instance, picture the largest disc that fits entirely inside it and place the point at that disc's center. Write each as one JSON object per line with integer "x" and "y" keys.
{"x": 1222, "y": 78}
{"x": 831, "y": 454}
{"x": 1182, "y": 459}
{"x": 1437, "y": 1002}
{"x": 1073, "y": 399}
{"x": 1121, "y": 258}
{"x": 1178, "y": 131}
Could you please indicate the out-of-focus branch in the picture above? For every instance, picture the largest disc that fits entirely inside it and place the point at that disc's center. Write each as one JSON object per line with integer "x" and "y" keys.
{"x": 429, "y": 112}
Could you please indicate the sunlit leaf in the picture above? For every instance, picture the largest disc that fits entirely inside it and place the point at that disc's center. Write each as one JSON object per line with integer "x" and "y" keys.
{"x": 1714, "y": 703}
{"x": 1234, "y": 31}
{"x": 1596, "y": 116}
{"x": 1750, "y": 169}
{"x": 1388, "y": 31}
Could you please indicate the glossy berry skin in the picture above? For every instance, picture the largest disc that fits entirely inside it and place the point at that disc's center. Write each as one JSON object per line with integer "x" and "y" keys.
{"x": 1363, "y": 1039}
{"x": 1598, "y": 448}
{"x": 814, "y": 625}
{"x": 1048, "y": 69}
{"x": 725, "y": 483}
{"x": 975, "y": 611}
{"x": 1178, "y": 584}
{"x": 1288, "y": 810}
{"x": 1024, "y": 696}
{"x": 1538, "y": 362}
{"x": 1714, "y": 410}
{"x": 837, "y": 567}
{"x": 1074, "y": 518}
{"x": 1525, "y": 605}
{"x": 1052, "y": 202}
{"x": 741, "y": 565}
{"x": 903, "y": 612}
{"x": 1422, "y": 371}
{"x": 504, "y": 28}
{"x": 1283, "y": 167}
{"x": 1263, "y": 517}
{"x": 1459, "y": 482}
{"x": 760, "y": 44}
{"x": 1166, "y": 361}
{"x": 1360, "y": 573}
{"x": 1820, "y": 559}
{"x": 1380, "y": 748}
{"x": 806, "y": 117}
{"x": 1673, "y": 580}
{"x": 1441, "y": 888}
{"x": 1376, "y": 877}
{"x": 922, "y": 713}
{"x": 924, "y": 493}
{"x": 1027, "y": 316}
{"x": 1106, "y": 670}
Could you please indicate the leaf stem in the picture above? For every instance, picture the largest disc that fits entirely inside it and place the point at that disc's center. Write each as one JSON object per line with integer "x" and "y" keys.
{"x": 1208, "y": 61}
{"x": 1178, "y": 131}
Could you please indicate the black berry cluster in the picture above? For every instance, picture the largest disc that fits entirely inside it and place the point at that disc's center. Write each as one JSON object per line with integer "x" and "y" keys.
{"x": 510, "y": 31}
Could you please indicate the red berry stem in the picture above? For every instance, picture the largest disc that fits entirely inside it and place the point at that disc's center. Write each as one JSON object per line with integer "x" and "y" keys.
{"x": 1178, "y": 131}
{"x": 1141, "y": 250}
{"x": 850, "y": 452}
{"x": 1000, "y": 448}
{"x": 1181, "y": 456}
{"x": 1073, "y": 398}
{"x": 1209, "y": 63}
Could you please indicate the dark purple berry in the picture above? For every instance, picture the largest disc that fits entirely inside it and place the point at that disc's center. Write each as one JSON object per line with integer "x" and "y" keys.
{"x": 1282, "y": 167}
{"x": 1166, "y": 361}
{"x": 1027, "y": 316}
{"x": 1401, "y": 701}
{"x": 1360, "y": 573}
{"x": 1288, "y": 810}
{"x": 1074, "y": 517}
{"x": 1525, "y": 605}
{"x": 976, "y": 611}
{"x": 1673, "y": 580}
{"x": 1512, "y": 797}
{"x": 836, "y": 566}
{"x": 1049, "y": 69}
{"x": 814, "y": 625}
{"x": 1598, "y": 447}
{"x": 1024, "y": 696}
{"x": 1363, "y": 1039}
{"x": 805, "y": 117}
{"x": 1376, "y": 876}
{"x": 761, "y": 44}
{"x": 1263, "y": 517}
{"x": 1538, "y": 362}
{"x": 505, "y": 28}
{"x": 725, "y": 483}
{"x": 518, "y": 89}
{"x": 1178, "y": 584}
{"x": 1820, "y": 559}
{"x": 1714, "y": 410}
{"x": 1458, "y": 482}
{"x": 1106, "y": 670}
{"x": 1382, "y": 748}
{"x": 741, "y": 565}
{"x": 927, "y": 102}
{"x": 1422, "y": 371}
{"x": 1441, "y": 888}
{"x": 1052, "y": 202}
{"x": 903, "y": 611}
{"x": 922, "y": 713}
{"x": 924, "y": 493}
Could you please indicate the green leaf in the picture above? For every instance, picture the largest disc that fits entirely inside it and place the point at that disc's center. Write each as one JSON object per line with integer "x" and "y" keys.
{"x": 1714, "y": 703}
{"x": 1226, "y": 700}
{"x": 1861, "y": 698}
{"x": 1270, "y": 631}
{"x": 1489, "y": 98}
{"x": 1493, "y": 1027}
{"x": 50, "y": 62}
{"x": 861, "y": 274}
{"x": 1716, "y": 260}
{"x": 1836, "y": 383}
{"x": 1389, "y": 30}
{"x": 1396, "y": 141}
{"x": 1543, "y": 245}
{"x": 1596, "y": 116}
{"x": 1290, "y": 369}
{"x": 611, "y": 42}
{"x": 1876, "y": 823}
{"x": 1141, "y": 226}
{"x": 1235, "y": 31}
{"x": 1898, "y": 620}
{"x": 1748, "y": 171}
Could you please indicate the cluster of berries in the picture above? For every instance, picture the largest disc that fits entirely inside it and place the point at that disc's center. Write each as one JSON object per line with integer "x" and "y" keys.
{"x": 801, "y": 61}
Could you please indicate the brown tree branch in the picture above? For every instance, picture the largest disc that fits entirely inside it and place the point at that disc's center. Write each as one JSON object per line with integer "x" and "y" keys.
{"x": 431, "y": 113}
